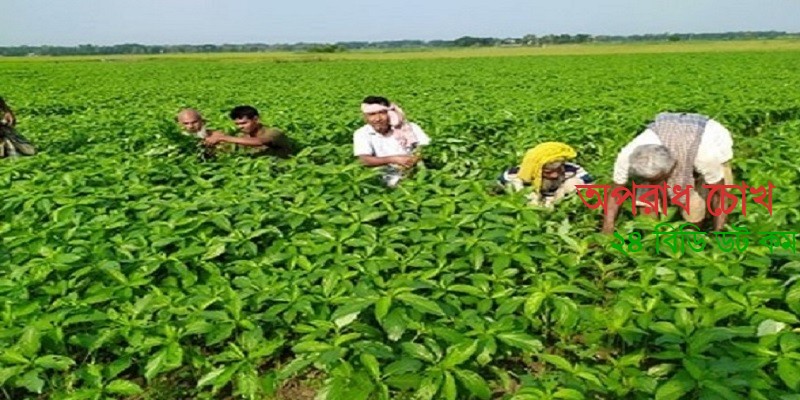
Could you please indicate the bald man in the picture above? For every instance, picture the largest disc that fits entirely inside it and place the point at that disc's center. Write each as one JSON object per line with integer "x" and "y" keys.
{"x": 193, "y": 123}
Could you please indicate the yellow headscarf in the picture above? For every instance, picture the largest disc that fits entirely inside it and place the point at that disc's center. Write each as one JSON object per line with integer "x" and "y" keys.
{"x": 531, "y": 169}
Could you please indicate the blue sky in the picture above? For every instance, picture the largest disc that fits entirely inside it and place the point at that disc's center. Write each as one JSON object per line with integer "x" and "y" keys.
{"x": 72, "y": 22}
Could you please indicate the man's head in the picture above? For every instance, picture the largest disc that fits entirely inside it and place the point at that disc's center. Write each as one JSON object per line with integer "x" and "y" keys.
{"x": 552, "y": 176}
{"x": 651, "y": 163}
{"x": 376, "y": 113}
{"x": 246, "y": 119}
{"x": 190, "y": 120}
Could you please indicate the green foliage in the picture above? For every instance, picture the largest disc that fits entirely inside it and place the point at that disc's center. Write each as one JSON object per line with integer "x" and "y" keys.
{"x": 126, "y": 262}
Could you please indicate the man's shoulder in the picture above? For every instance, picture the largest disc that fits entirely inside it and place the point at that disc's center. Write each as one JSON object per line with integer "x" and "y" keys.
{"x": 365, "y": 130}
{"x": 268, "y": 132}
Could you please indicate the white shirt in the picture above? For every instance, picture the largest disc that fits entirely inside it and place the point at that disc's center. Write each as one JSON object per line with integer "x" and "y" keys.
{"x": 368, "y": 142}
{"x": 716, "y": 148}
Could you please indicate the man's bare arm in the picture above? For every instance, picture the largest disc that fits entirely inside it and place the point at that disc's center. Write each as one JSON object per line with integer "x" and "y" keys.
{"x": 373, "y": 161}
{"x": 718, "y": 201}
{"x": 245, "y": 141}
{"x": 611, "y": 213}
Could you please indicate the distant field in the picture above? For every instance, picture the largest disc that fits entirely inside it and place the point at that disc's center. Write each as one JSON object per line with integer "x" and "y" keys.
{"x": 395, "y": 54}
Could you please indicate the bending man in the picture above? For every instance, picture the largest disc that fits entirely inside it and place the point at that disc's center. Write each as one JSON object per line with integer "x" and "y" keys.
{"x": 679, "y": 149}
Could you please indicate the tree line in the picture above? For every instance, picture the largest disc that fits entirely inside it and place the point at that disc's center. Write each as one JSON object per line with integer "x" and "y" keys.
{"x": 466, "y": 41}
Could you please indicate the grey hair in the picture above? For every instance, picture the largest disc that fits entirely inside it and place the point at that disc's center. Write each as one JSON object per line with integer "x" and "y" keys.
{"x": 554, "y": 165}
{"x": 650, "y": 161}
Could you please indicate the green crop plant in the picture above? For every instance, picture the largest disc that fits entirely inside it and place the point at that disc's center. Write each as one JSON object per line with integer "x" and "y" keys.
{"x": 128, "y": 265}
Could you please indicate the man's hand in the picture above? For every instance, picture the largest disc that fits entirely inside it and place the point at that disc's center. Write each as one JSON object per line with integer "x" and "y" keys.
{"x": 405, "y": 161}
{"x": 8, "y": 118}
{"x": 214, "y": 138}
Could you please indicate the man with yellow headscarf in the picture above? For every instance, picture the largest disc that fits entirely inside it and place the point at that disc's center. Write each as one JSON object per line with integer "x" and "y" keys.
{"x": 546, "y": 170}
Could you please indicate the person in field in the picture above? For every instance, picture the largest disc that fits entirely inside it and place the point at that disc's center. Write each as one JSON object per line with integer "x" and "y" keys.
{"x": 193, "y": 123}
{"x": 257, "y": 138}
{"x": 12, "y": 144}
{"x": 388, "y": 140}
{"x": 547, "y": 172}
{"x": 679, "y": 149}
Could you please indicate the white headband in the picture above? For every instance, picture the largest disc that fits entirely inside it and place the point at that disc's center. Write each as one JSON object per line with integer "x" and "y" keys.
{"x": 373, "y": 108}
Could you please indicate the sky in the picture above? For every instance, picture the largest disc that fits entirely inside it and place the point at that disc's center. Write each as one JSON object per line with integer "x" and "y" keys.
{"x": 106, "y": 22}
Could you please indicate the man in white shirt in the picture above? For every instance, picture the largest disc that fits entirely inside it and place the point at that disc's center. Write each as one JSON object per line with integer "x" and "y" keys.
{"x": 679, "y": 149}
{"x": 387, "y": 140}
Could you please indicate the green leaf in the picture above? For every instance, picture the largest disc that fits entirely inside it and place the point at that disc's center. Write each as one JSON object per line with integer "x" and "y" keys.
{"x": 428, "y": 387}
{"x": 214, "y": 251}
{"x": 789, "y": 342}
{"x": 788, "y": 372}
{"x": 793, "y": 298}
{"x": 155, "y": 365}
{"x": 560, "y": 362}
{"x": 382, "y": 307}
{"x": 722, "y": 390}
{"x": 420, "y": 303}
{"x": 294, "y": 366}
{"x": 246, "y": 383}
{"x": 666, "y": 328}
{"x": 769, "y": 327}
{"x": 474, "y": 383}
{"x": 8, "y": 373}
{"x": 521, "y": 341}
{"x": 778, "y": 315}
{"x": 402, "y": 366}
{"x": 60, "y": 363}
{"x": 394, "y": 324}
{"x": 311, "y": 346}
{"x": 123, "y": 387}
{"x": 372, "y": 366}
{"x": 449, "y": 390}
{"x": 31, "y": 381}
{"x": 533, "y": 303}
{"x": 418, "y": 351}
{"x": 676, "y": 388}
{"x": 568, "y": 394}
{"x": 29, "y": 342}
{"x": 166, "y": 359}
{"x": 460, "y": 353}
{"x": 218, "y": 377}
{"x": 13, "y": 357}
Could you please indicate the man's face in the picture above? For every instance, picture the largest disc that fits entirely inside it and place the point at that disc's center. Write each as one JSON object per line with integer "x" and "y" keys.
{"x": 247, "y": 125}
{"x": 552, "y": 178}
{"x": 378, "y": 120}
{"x": 191, "y": 123}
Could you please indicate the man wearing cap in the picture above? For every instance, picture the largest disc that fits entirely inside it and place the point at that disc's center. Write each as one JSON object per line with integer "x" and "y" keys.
{"x": 546, "y": 171}
{"x": 388, "y": 140}
{"x": 677, "y": 149}
{"x": 259, "y": 139}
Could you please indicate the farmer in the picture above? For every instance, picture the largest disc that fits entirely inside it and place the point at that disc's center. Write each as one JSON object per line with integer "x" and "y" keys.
{"x": 260, "y": 139}
{"x": 679, "y": 149}
{"x": 12, "y": 144}
{"x": 192, "y": 123}
{"x": 547, "y": 172}
{"x": 388, "y": 140}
